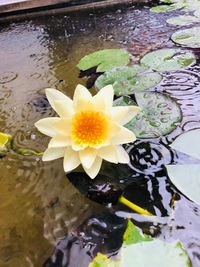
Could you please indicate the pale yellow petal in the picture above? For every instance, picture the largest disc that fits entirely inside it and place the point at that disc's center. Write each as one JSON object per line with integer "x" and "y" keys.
{"x": 63, "y": 109}
{"x": 83, "y": 105}
{"x": 78, "y": 148}
{"x": 108, "y": 153}
{"x": 53, "y": 153}
{"x": 113, "y": 129}
{"x": 45, "y": 126}
{"x": 55, "y": 95}
{"x": 99, "y": 102}
{"x": 107, "y": 94}
{"x": 87, "y": 156}
{"x": 95, "y": 168}
{"x": 71, "y": 159}
{"x": 124, "y": 136}
{"x": 123, "y": 156}
{"x": 123, "y": 114}
{"x": 60, "y": 140}
{"x": 63, "y": 126}
{"x": 81, "y": 93}
{"x": 132, "y": 113}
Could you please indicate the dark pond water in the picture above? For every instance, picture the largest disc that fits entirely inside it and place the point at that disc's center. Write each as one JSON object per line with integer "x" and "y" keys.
{"x": 38, "y": 204}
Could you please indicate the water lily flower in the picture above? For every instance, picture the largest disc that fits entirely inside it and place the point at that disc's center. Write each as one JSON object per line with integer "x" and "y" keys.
{"x": 87, "y": 130}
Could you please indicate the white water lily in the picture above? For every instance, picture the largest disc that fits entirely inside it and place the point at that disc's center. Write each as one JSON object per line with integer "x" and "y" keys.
{"x": 88, "y": 130}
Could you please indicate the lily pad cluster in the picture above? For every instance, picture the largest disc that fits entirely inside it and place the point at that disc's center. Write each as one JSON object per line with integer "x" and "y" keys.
{"x": 187, "y": 177}
{"x": 160, "y": 114}
{"x": 139, "y": 250}
{"x": 176, "y": 4}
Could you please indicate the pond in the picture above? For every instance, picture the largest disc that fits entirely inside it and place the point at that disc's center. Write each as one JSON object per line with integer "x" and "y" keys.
{"x": 39, "y": 205}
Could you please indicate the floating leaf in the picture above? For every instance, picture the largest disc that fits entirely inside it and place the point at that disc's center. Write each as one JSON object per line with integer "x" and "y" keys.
{"x": 139, "y": 253}
{"x": 127, "y": 80}
{"x": 105, "y": 60}
{"x": 182, "y": 20}
{"x": 168, "y": 59}
{"x": 164, "y": 8}
{"x": 187, "y": 179}
{"x": 188, "y": 143}
{"x": 197, "y": 13}
{"x": 5, "y": 142}
{"x": 189, "y": 37}
{"x": 124, "y": 101}
{"x": 27, "y": 152}
{"x": 160, "y": 115}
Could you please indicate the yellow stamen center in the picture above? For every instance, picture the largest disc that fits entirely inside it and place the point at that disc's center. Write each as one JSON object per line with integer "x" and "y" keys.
{"x": 89, "y": 128}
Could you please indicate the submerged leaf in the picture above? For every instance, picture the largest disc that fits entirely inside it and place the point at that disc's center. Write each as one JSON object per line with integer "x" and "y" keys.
{"x": 27, "y": 152}
{"x": 187, "y": 179}
{"x": 182, "y": 20}
{"x": 168, "y": 59}
{"x": 105, "y": 60}
{"x": 128, "y": 80}
{"x": 189, "y": 37}
{"x": 160, "y": 115}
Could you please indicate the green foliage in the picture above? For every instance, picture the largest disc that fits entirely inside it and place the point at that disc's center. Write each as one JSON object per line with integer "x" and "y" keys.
{"x": 136, "y": 252}
{"x": 175, "y": 4}
{"x": 160, "y": 115}
{"x": 164, "y": 8}
{"x": 168, "y": 59}
{"x": 105, "y": 60}
{"x": 189, "y": 37}
{"x": 133, "y": 236}
{"x": 27, "y": 152}
{"x": 182, "y": 20}
{"x": 128, "y": 80}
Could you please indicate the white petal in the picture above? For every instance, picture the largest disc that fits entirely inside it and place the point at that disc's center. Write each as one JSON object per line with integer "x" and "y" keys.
{"x": 94, "y": 170}
{"x": 123, "y": 114}
{"x": 45, "y": 126}
{"x": 107, "y": 94}
{"x": 63, "y": 126}
{"x": 123, "y": 156}
{"x": 63, "y": 109}
{"x": 108, "y": 153}
{"x": 81, "y": 93}
{"x": 87, "y": 156}
{"x": 99, "y": 103}
{"x": 53, "y": 153}
{"x": 55, "y": 95}
{"x": 71, "y": 159}
{"x": 60, "y": 140}
{"x": 133, "y": 111}
{"x": 83, "y": 105}
{"x": 124, "y": 136}
{"x": 114, "y": 128}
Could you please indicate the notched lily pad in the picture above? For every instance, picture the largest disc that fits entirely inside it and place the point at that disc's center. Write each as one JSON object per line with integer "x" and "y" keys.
{"x": 168, "y": 59}
{"x": 128, "y": 80}
{"x": 105, "y": 60}
{"x": 182, "y": 20}
{"x": 188, "y": 37}
{"x": 160, "y": 115}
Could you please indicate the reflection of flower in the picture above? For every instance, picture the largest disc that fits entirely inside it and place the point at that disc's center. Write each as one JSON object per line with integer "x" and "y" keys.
{"x": 89, "y": 129}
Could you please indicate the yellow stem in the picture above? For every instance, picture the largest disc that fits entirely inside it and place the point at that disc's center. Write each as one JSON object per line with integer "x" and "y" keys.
{"x": 134, "y": 206}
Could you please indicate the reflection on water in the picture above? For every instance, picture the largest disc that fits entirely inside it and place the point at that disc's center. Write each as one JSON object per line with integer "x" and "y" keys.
{"x": 38, "y": 205}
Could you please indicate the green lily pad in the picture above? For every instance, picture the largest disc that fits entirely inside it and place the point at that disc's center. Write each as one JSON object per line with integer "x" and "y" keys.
{"x": 187, "y": 179}
{"x": 160, "y": 115}
{"x": 139, "y": 253}
{"x": 168, "y": 59}
{"x": 27, "y": 152}
{"x": 124, "y": 101}
{"x": 189, "y": 37}
{"x": 188, "y": 143}
{"x": 164, "y": 8}
{"x": 5, "y": 142}
{"x": 128, "y": 80}
{"x": 105, "y": 60}
{"x": 191, "y": 5}
{"x": 182, "y": 20}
